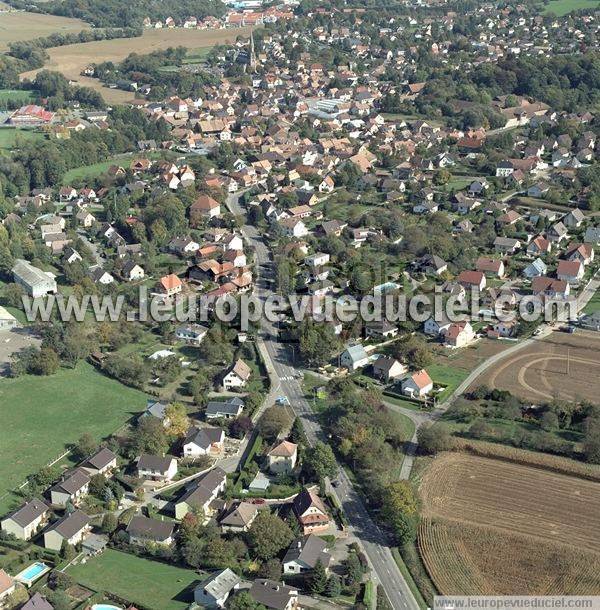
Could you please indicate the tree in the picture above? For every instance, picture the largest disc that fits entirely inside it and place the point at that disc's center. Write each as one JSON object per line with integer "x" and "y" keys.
{"x": 242, "y": 601}
{"x": 86, "y": 445}
{"x": 59, "y": 600}
{"x": 199, "y": 387}
{"x": 97, "y": 485}
{"x": 320, "y": 462}
{"x": 240, "y": 426}
{"x": 434, "y": 438}
{"x": 271, "y": 569}
{"x": 549, "y": 421}
{"x": 268, "y": 535}
{"x": 318, "y": 578}
{"x": 67, "y": 551}
{"x": 334, "y": 586}
{"x": 45, "y": 362}
{"x": 150, "y": 437}
{"x": 399, "y": 509}
{"x": 273, "y": 422}
{"x": 109, "y": 523}
{"x": 179, "y": 422}
{"x": 591, "y": 442}
{"x": 318, "y": 342}
{"x": 60, "y": 580}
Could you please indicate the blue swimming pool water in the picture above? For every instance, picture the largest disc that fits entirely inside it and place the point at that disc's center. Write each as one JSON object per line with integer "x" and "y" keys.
{"x": 104, "y": 607}
{"x": 33, "y": 571}
{"x": 387, "y": 286}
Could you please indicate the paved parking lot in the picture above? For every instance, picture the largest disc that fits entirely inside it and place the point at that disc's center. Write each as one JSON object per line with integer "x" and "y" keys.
{"x": 11, "y": 341}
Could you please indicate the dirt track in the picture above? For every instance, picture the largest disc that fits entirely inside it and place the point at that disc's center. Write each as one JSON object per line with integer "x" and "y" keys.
{"x": 561, "y": 366}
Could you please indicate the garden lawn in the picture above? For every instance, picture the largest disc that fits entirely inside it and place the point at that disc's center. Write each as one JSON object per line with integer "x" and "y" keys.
{"x": 18, "y": 95}
{"x": 42, "y": 416}
{"x": 446, "y": 376}
{"x": 594, "y": 304}
{"x": 89, "y": 172}
{"x": 151, "y": 584}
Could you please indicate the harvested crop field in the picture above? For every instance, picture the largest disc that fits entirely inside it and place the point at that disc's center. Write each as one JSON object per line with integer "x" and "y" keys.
{"x": 560, "y": 366}
{"x": 496, "y": 527}
{"x": 72, "y": 59}
{"x": 20, "y": 25}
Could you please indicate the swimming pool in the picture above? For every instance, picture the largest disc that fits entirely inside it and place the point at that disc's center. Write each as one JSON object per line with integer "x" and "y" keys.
{"x": 386, "y": 287}
{"x": 105, "y": 607}
{"x": 30, "y": 574}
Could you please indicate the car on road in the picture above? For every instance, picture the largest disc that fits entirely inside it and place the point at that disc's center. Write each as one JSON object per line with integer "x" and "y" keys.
{"x": 282, "y": 400}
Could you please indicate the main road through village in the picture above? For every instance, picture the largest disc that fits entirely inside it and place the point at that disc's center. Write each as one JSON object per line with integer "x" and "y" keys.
{"x": 280, "y": 363}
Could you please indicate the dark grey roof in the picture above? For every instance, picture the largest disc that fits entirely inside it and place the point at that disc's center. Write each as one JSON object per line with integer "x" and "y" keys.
{"x": 70, "y": 524}
{"x": 308, "y": 549}
{"x": 204, "y": 490}
{"x": 155, "y": 462}
{"x": 271, "y": 593}
{"x": 38, "y": 602}
{"x": 102, "y": 458}
{"x": 204, "y": 437}
{"x": 29, "y": 512}
{"x": 73, "y": 483}
{"x": 143, "y": 527}
{"x": 229, "y": 407}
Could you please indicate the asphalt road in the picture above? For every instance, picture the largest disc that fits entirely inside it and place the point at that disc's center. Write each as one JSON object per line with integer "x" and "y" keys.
{"x": 281, "y": 356}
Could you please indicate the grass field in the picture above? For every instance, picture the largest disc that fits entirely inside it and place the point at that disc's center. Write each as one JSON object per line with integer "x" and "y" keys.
{"x": 41, "y": 416}
{"x": 563, "y": 7}
{"x": 72, "y": 59}
{"x": 19, "y": 95}
{"x": 89, "y": 172}
{"x": 150, "y": 584}
{"x": 594, "y": 305}
{"x": 495, "y": 527}
{"x": 9, "y": 137}
{"x": 18, "y": 25}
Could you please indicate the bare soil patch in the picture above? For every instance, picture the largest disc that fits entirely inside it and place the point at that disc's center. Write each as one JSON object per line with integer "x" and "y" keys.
{"x": 495, "y": 527}
{"x": 561, "y": 366}
{"x": 72, "y": 59}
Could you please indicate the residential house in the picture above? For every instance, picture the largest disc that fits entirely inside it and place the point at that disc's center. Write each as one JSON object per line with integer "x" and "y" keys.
{"x": 103, "y": 462}
{"x": 592, "y": 236}
{"x": 192, "y": 334}
{"x": 535, "y": 269}
{"x": 100, "y": 276}
{"x": 282, "y": 458}
{"x": 418, "y": 384}
{"x": 37, "y": 602}
{"x": 156, "y": 467}
{"x": 239, "y": 517}
{"x": 507, "y": 245}
{"x": 27, "y": 521}
{"x": 143, "y": 530}
{"x": 472, "y": 279}
{"x": 506, "y": 329}
{"x": 459, "y": 334}
{"x": 237, "y": 376}
{"x": 157, "y": 409}
{"x": 574, "y": 218}
{"x": 70, "y": 529}
{"x": 132, "y": 272}
{"x": 539, "y": 245}
{"x": 201, "y": 495}
{"x": 354, "y": 357}
{"x": 557, "y": 232}
{"x": 436, "y": 327}
{"x": 310, "y": 512}
{"x": 380, "y": 330}
{"x": 584, "y": 253}
{"x": 490, "y": 266}
{"x": 183, "y": 246}
{"x": 388, "y": 369}
{"x": 170, "y": 285}
{"x": 274, "y": 595}
{"x": 550, "y": 287}
{"x": 294, "y": 227}
{"x": 7, "y": 586}
{"x": 570, "y": 271}
{"x": 227, "y": 409}
{"x": 214, "y": 591}
{"x": 71, "y": 489}
{"x": 203, "y": 441}
{"x": 304, "y": 553}
{"x": 204, "y": 208}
